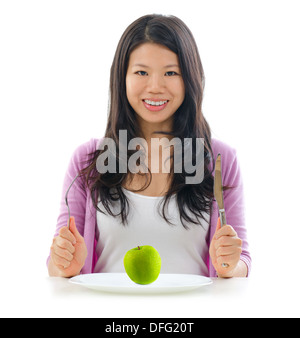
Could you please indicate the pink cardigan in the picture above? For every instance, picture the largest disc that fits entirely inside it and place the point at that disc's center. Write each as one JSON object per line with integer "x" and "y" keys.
{"x": 82, "y": 209}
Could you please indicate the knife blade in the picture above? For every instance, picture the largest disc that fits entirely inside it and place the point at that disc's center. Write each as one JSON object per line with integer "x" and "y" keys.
{"x": 218, "y": 192}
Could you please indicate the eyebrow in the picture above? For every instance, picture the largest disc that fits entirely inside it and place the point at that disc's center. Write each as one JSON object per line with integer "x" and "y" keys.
{"x": 144, "y": 66}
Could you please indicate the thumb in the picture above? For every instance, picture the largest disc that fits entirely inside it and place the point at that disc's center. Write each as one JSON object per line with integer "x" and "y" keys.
{"x": 218, "y": 225}
{"x": 74, "y": 230}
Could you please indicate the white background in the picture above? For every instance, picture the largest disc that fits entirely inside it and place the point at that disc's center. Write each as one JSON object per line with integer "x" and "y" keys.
{"x": 55, "y": 58}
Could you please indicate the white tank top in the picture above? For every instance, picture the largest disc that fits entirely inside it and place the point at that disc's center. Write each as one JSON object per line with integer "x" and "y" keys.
{"x": 181, "y": 250}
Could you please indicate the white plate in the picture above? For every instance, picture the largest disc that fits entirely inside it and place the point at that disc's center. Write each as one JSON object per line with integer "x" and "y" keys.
{"x": 121, "y": 283}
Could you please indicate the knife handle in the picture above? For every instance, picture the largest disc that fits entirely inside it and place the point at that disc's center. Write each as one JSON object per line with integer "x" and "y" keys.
{"x": 223, "y": 222}
{"x": 222, "y": 217}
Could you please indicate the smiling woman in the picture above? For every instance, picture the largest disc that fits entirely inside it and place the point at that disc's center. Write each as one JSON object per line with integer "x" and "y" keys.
{"x": 156, "y": 92}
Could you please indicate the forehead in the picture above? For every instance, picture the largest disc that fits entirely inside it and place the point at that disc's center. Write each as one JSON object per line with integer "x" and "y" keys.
{"x": 152, "y": 54}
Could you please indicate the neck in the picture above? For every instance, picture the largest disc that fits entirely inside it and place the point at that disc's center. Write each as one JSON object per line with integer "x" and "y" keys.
{"x": 148, "y": 131}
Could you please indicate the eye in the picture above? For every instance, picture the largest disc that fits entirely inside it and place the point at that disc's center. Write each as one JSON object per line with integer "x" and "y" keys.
{"x": 141, "y": 73}
{"x": 171, "y": 73}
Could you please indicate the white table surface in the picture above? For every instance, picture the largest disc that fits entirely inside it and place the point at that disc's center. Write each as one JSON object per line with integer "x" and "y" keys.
{"x": 43, "y": 296}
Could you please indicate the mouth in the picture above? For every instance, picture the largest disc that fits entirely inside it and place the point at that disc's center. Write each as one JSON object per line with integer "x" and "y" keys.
{"x": 156, "y": 105}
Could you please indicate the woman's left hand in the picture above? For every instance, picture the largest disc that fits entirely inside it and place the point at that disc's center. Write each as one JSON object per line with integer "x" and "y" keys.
{"x": 225, "y": 247}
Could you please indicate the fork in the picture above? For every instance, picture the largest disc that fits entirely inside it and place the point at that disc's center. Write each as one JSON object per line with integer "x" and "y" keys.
{"x": 66, "y": 200}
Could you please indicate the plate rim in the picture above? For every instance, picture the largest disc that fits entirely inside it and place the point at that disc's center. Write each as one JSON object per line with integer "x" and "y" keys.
{"x": 138, "y": 288}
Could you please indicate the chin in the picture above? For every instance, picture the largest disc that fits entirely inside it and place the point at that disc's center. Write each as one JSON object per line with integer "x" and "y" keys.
{"x": 155, "y": 117}
{"x": 154, "y": 120}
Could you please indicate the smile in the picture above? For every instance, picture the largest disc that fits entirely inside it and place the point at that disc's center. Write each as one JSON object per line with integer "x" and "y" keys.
{"x": 155, "y": 105}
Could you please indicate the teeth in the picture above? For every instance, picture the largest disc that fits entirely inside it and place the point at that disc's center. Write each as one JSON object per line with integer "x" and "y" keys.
{"x": 154, "y": 103}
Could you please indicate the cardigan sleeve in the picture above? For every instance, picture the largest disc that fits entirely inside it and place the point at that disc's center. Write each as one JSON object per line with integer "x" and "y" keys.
{"x": 234, "y": 203}
{"x": 235, "y": 207}
{"x": 78, "y": 194}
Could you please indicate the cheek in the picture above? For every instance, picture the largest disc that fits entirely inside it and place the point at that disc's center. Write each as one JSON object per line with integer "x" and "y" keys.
{"x": 179, "y": 92}
{"x": 132, "y": 91}
{"x": 128, "y": 89}
{"x": 182, "y": 89}
{"x": 182, "y": 96}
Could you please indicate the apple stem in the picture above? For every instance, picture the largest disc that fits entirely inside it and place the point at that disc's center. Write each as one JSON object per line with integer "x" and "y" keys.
{"x": 139, "y": 248}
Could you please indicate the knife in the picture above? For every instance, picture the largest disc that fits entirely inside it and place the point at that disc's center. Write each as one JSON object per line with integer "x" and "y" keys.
{"x": 218, "y": 192}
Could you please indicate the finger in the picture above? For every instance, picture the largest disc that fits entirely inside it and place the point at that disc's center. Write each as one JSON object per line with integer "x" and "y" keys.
{"x": 65, "y": 233}
{"x": 226, "y": 241}
{"x": 60, "y": 262}
{"x": 63, "y": 253}
{"x": 228, "y": 251}
{"x": 231, "y": 260}
{"x": 64, "y": 244}
{"x": 226, "y": 230}
{"x": 224, "y": 268}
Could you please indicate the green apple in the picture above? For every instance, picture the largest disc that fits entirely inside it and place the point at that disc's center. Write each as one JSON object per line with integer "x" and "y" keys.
{"x": 142, "y": 264}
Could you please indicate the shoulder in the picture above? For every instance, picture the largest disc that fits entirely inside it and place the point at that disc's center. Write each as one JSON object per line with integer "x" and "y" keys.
{"x": 84, "y": 151}
{"x": 87, "y": 147}
{"x": 230, "y": 163}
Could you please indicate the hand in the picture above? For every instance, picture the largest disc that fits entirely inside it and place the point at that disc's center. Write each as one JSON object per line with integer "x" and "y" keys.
{"x": 225, "y": 247}
{"x": 68, "y": 251}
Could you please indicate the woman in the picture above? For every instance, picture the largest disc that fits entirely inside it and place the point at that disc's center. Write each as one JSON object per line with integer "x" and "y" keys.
{"x": 156, "y": 93}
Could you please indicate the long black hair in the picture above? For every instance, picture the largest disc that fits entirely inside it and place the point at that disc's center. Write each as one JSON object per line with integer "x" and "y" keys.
{"x": 189, "y": 122}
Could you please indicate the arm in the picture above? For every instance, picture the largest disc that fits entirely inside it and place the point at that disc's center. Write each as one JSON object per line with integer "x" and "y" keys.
{"x": 234, "y": 202}
{"x": 61, "y": 251}
{"x": 236, "y": 229}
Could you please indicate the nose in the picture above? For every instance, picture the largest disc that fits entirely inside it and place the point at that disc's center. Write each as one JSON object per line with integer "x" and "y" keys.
{"x": 156, "y": 84}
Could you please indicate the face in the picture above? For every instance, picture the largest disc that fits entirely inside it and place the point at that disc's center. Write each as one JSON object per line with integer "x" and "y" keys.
{"x": 154, "y": 86}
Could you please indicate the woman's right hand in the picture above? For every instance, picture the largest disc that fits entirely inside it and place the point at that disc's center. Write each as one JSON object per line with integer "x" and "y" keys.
{"x": 68, "y": 252}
